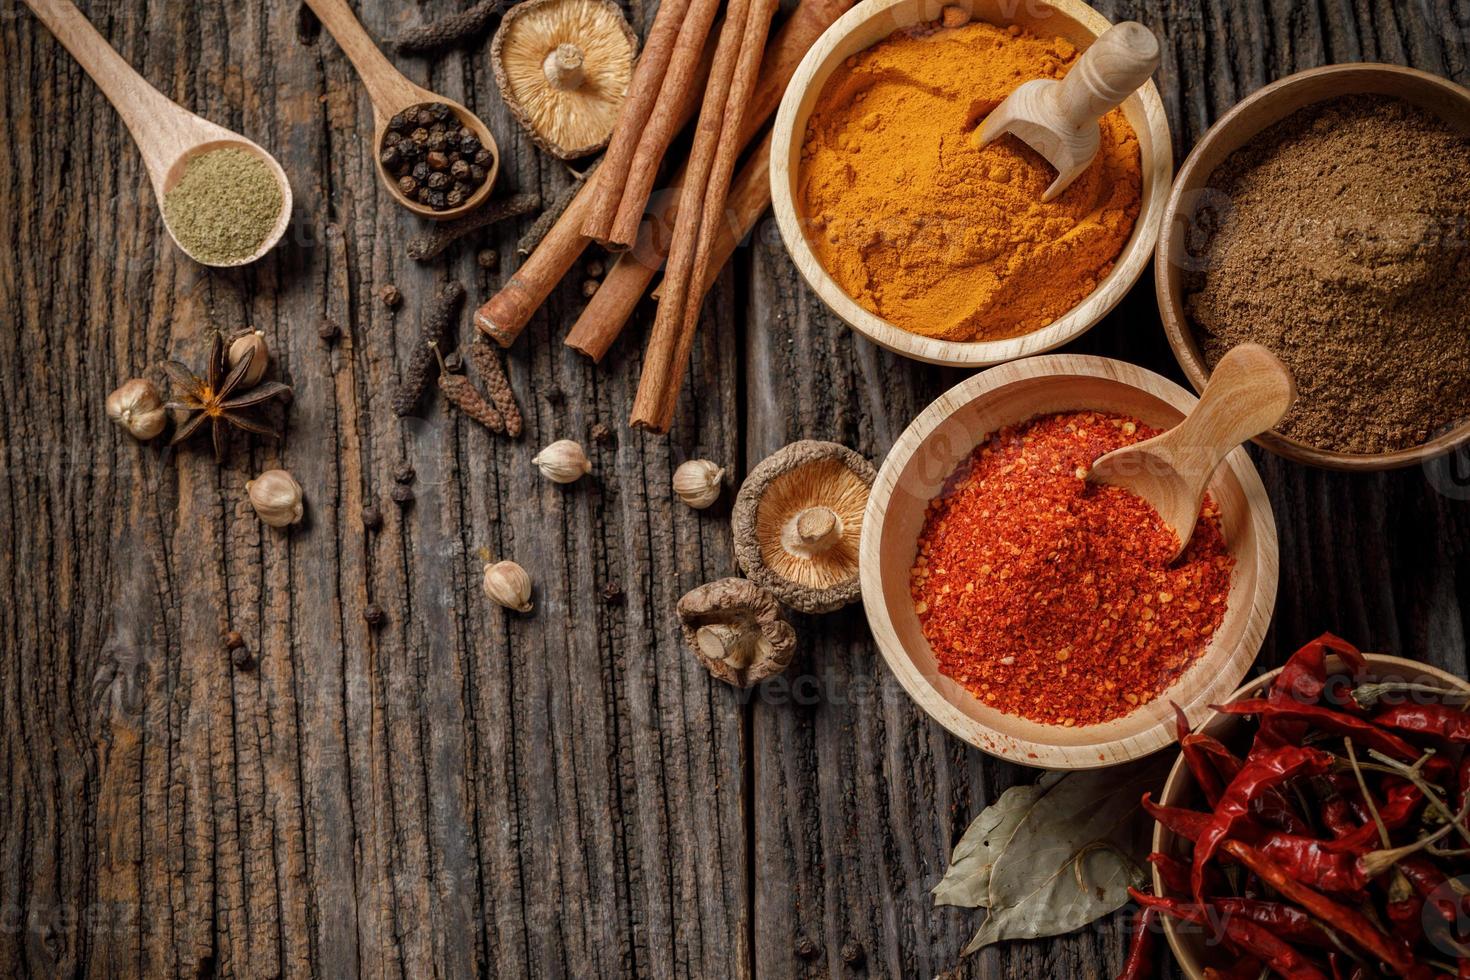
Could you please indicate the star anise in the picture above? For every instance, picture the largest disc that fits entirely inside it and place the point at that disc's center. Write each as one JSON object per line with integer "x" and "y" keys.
{"x": 207, "y": 399}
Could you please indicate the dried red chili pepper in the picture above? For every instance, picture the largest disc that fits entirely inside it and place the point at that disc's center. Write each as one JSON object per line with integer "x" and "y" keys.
{"x": 1249, "y": 936}
{"x": 1173, "y": 872}
{"x": 1285, "y": 921}
{"x": 1344, "y": 919}
{"x": 1428, "y": 883}
{"x": 1189, "y": 824}
{"x": 1140, "y": 962}
{"x": 1404, "y": 909}
{"x": 1439, "y": 720}
{"x": 1304, "y": 677}
{"x": 1258, "y": 775}
{"x": 1333, "y": 806}
{"x": 1318, "y": 864}
{"x": 1325, "y": 719}
{"x": 1245, "y": 968}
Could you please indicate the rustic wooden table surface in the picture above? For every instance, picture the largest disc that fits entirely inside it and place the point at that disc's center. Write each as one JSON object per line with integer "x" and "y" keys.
{"x": 566, "y": 793}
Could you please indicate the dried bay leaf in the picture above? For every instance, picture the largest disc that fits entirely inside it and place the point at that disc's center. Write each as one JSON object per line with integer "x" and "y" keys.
{"x": 1048, "y": 859}
{"x": 967, "y": 882}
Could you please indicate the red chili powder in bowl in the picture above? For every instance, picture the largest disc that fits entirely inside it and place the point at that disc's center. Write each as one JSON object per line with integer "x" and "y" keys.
{"x": 1054, "y": 599}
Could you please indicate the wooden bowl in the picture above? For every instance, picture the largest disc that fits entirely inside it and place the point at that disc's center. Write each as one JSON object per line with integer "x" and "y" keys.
{"x": 1237, "y": 127}
{"x": 1189, "y": 947}
{"x": 938, "y": 441}
{"x": 870, "y": 22}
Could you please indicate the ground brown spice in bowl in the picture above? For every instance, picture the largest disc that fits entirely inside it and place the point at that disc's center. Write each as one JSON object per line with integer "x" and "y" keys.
{"x": 1340, "y": 239}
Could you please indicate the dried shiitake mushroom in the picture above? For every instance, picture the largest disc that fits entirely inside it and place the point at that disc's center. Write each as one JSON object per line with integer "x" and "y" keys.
{"x": 563, "y": 67}
{"x": 736, "y": 629}
{"x": 798, "y": 520}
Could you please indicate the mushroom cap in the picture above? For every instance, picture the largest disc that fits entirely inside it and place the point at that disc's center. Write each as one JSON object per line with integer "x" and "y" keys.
{"x": 798, "y": 520}
{"x": 736, "y": 629}
{"x": 563, "y": 67}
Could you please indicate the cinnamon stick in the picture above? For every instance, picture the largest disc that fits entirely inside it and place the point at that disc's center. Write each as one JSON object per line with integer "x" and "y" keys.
{"x": 701, "y": 207}
{"x": 643, "y": 92}
{"x": 505, "y": 315}
{"x": 612, "y": 305}
{"x": 664, "y": 122}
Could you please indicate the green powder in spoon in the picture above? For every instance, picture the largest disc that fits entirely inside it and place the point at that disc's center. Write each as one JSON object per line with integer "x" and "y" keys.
{"x": 224, "y": 206}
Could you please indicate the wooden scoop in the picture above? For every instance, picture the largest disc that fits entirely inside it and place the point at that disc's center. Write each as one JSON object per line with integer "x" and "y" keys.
{"x": 1248, "y": 392}
{"x": 167, "y": 135}
{"x": 1059, "y": 119}
{"x": 391, "y": 93}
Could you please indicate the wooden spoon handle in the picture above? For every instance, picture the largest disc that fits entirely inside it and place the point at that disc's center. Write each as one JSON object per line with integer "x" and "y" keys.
{"x": 141, "y": 106}
{"x": 1116, "y": 64}
{"x": 389, "y": 91}
{"x": 1248, "y": 392}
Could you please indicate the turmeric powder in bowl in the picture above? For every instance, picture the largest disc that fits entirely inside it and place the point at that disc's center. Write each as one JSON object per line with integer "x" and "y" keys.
{"x": 934, "y": 234}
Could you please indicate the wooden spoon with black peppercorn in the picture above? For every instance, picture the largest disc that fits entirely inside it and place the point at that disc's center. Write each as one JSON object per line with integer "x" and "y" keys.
{"x": 167, "y": 135}
{"x": 435, "y": 156}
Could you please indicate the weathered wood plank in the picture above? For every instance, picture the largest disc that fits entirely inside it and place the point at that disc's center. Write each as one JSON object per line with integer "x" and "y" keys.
{"x": 459, "y": 792}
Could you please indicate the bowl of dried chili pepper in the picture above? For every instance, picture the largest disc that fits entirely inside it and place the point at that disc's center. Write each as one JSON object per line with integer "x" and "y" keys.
{"x": 1036, "y": 615}
{"x": 1317, "y": 823}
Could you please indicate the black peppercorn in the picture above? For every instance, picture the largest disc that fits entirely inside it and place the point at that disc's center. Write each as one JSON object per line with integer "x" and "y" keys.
{"x": 410, "y": 150}
{"x": 595, "y": 268}
{"x": 407, "y": 186}
{"x": 601, "y": 434}
{"x": 401, "y": 121}
{"x": 436, "y": 160}
{"x": 233, "y": 640}
{"x": 487, "y": 259}
{"x": 612, "y": 594}
{"x": 403, "y": 168}
{"x": 469, "y": 145}
{"x": 459, "y": 170}
{"x": 390, "y": 157}
{"x": 419, "y": 136}
{"x": 241, "y": 659}
{"x": 455, "y": 197}
{"x": 477, "y": 174}
{"x": 463, "y": 187}
{"x": 392, "y": 138}
{"x": 373, "y": 614}
{"x": 853, "y": 953}
{"x": 425, "y": 195}
{"x": 402, "y": 495}
{"x": 437, "y": 143}
{"x": 438, "y": 181}
{"x": 440, "y": 112}
{"x": 806, "y": 949}
{"x": 555, "y": 396}
{"x": 404, "y": 473}
{"x": 390, "y": 296}
{"x": 372, "y": 518}
{"x": 438, "y": 129}
{"x": 589, "y": 288}
{"x": 329, "y": 329}
{"x": 453, "y": 362}
{"x": 421, "y": 171}
{"x": 483, "y": 157}
{"x": 424, "y": 118}
{"x": 438, "y": 200}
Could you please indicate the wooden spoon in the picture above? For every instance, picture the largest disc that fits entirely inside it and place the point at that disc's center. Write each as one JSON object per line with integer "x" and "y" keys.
{"x": 1058, "y": 119}
{"x": 1247, "y": 393}
{"x": 391, "y": 93}
{"x": 167, "y": 135}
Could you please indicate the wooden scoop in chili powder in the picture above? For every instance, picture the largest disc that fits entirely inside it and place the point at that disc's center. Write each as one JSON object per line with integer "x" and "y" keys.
{"x": 1248, "y": 393}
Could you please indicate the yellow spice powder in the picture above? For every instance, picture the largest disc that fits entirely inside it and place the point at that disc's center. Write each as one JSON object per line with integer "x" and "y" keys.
{"x": 934, "y": 234}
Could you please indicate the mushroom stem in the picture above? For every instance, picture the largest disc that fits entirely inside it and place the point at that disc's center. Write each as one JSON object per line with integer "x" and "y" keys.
{"x": 736, "y": 644}
{"x": 812, "y": 532}
{"x": 563, "y": 67}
